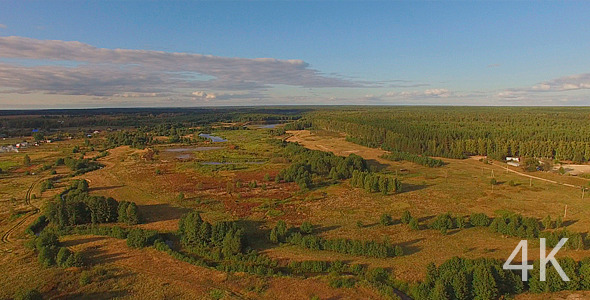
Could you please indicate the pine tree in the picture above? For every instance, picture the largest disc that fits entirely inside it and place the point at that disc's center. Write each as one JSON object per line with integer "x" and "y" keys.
{"x": 461, "y": 286}
{"x": 439, "y": 292}
{"x": 484, "y": 284}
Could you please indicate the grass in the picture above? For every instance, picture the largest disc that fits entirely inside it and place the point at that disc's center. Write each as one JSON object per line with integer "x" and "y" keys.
{"x": 460, "y": 187}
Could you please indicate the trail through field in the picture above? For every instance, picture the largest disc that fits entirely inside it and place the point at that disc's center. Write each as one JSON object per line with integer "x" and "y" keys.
{"x": 538, "y": 178}
{"x": 19, "y": 222}
{"x": 505, "y": 168}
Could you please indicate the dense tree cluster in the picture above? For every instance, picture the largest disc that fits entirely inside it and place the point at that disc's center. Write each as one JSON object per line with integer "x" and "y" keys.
{"x": 373, "y": 182}
{"x": 82, "y": 165}
{"x": 464, "y": 279}
{"x": 314, "y": 162}
{"x": 575, "y": 239}
{"x": 516, "y": 225}
{"x": 224, "y": 235}
{"x": 484, "y": 279}
{"x": 559, "y": 133}
{"x": 415, "y": 158}
{"x": 50, "y": 253}
{"x": 76, "y": 206}
{"x": 127, "y": 213}
{"x": 136, "y": 139}
{"x": 278, "y": 234}
{"x": 446, "y": 221}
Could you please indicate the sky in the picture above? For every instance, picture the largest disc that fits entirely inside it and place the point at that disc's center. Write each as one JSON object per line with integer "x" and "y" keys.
{"x": 86, "y": 54}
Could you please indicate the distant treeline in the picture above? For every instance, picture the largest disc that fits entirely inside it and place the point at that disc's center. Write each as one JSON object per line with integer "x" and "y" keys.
{"x": 419, "y": 159}
{"x": 54, "y": 120}
{"x": 457, "y": 132}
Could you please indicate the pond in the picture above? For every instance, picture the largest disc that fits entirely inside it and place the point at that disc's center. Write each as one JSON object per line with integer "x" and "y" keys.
{"x": 267, "y": 126}
{"x": 231, "y": 163}
{"x": 214, "y": 139}
{"x": 192, "y": 149}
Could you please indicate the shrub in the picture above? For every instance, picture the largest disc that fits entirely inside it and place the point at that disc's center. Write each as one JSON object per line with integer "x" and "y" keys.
{"x": 46, "y": 240}
{"x": 46, "y": 257}
{"x": 406, "y": 217}
{"x": 306, "y": 227}
{"x": 62, "y": 257}
{"x": 479, "y": 219}
{"x": 414, "y": 224}
{"x": 386, "y": 220}
{"x": 85, "y": 278}
{"x": 139, "y": 238}
{"x": 32, "y": 294}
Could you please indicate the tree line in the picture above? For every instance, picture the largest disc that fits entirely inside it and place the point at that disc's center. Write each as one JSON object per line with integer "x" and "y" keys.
{"x": 559, "y": 133}
{"x": 280, "y": 233}
{"x": 415, "y": 158}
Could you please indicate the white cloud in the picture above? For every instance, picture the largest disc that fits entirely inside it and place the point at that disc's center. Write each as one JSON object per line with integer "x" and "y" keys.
{"x": 202, "y": 94}
{"x": 567, "y": 83}
{"x": 108, "y": 72}
{"x": 429, "y": 93}
{"x": 437, "y": 92}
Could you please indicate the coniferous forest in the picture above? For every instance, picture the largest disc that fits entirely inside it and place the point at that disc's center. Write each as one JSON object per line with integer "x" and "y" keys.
{"x": 457, "y": 132}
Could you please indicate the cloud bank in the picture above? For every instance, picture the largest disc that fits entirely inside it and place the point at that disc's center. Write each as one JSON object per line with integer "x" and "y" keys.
{"x": 74, "y": 68}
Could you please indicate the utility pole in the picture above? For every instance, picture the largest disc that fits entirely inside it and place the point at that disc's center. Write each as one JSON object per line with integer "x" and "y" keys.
{"x": 583, "y": 189}
{"x": 565, "y": 212}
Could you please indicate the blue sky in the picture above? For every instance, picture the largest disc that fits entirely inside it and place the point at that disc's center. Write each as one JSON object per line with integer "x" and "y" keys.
{"x": 323, "y": 52}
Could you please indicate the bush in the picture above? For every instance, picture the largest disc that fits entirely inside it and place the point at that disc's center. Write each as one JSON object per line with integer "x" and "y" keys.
{"x": 306, "y": 227}
{"x": 32, "y": 294}
{"x": 75, "y": 260}
{"x": 414, "y": 224}
{"x": 62, "y": 257}
{"x": 479, "y": 220}
{"x": 406, "y": 217}
{"x": 139, "y": 238}
{"x": 46, "y": 240}
{"x": 46, "y": 257}
{"x": 85, "y": 278}
{"x": 386, "y": 220}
